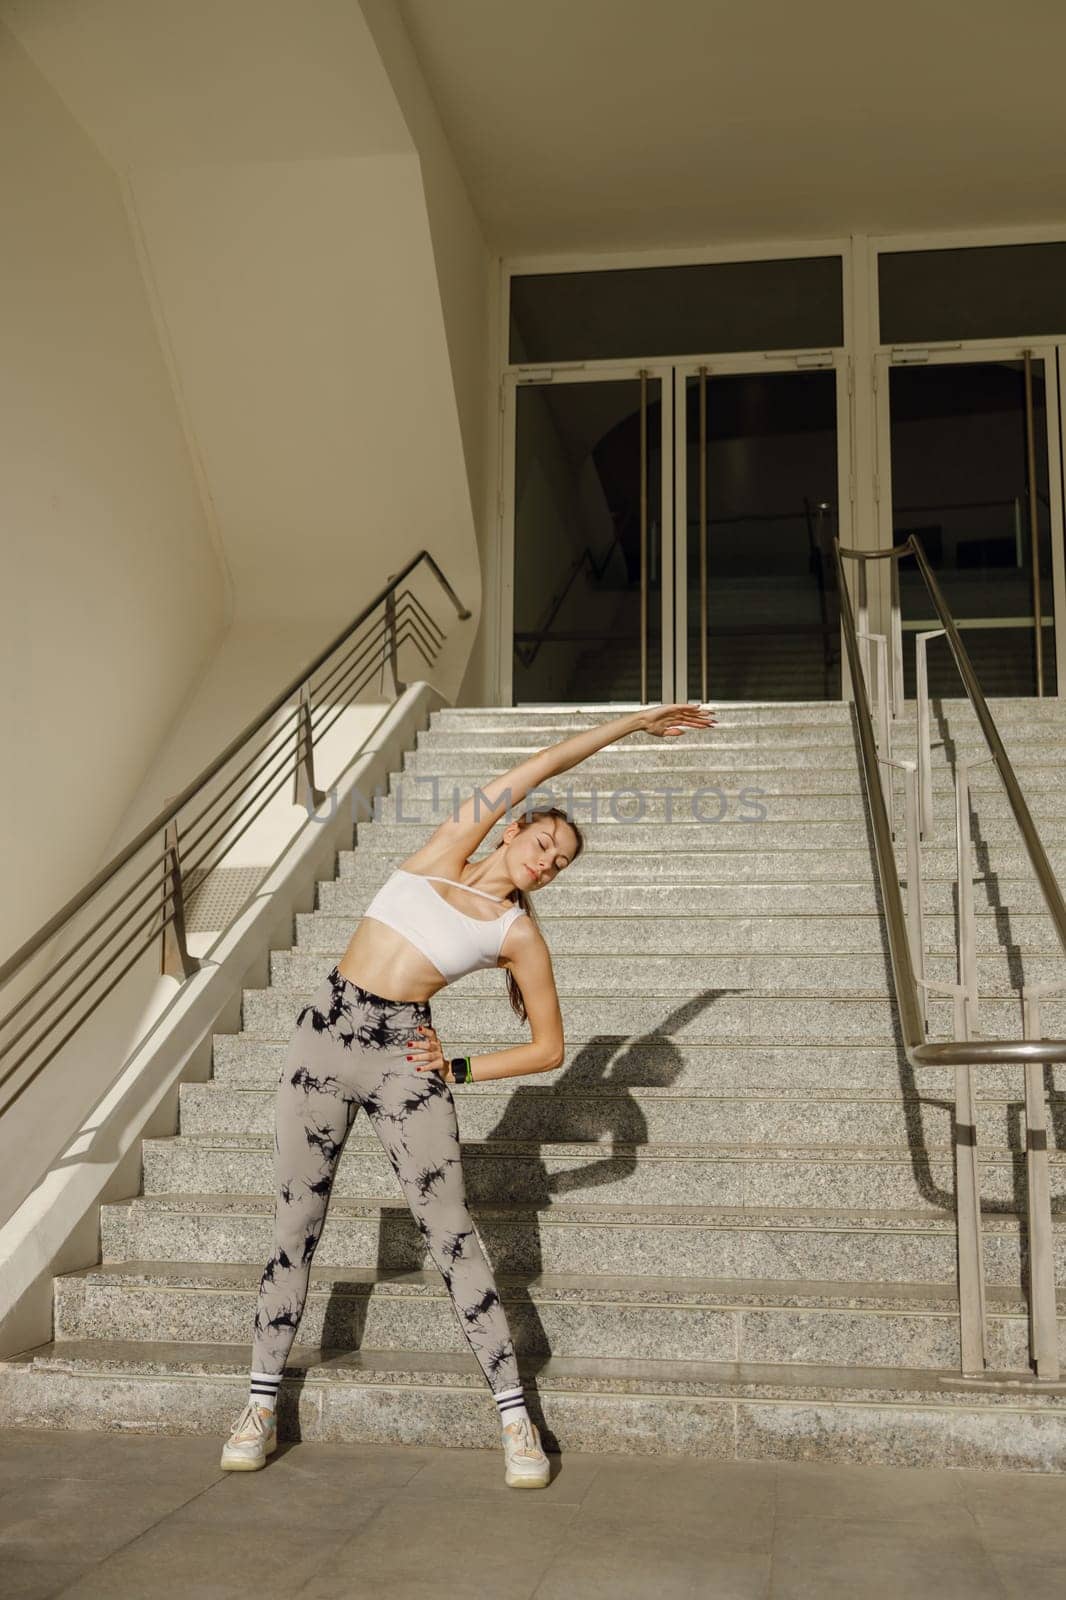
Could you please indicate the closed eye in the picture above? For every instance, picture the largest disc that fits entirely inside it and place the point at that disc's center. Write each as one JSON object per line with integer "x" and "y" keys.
{"x": 542, "y": 840}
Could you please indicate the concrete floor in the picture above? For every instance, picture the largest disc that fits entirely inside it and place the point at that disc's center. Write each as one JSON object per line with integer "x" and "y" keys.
{"x": 133, "y": 1518}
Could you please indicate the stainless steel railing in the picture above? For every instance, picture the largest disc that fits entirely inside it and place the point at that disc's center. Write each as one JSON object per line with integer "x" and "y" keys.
{"x": 906, "y": 940}
{"x": 140, "y": 911}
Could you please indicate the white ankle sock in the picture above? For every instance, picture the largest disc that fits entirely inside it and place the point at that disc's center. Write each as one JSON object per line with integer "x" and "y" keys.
{"x": 264, "y": 1390}
{"x": 511, "y": 1404}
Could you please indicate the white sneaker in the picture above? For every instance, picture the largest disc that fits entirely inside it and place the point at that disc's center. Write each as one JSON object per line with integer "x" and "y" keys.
{"x": 254, "y": 1436}
{"x": 527, "y": 1465}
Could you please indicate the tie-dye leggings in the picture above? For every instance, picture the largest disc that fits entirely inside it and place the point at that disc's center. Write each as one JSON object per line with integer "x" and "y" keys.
{"x": 349, "y": 1050}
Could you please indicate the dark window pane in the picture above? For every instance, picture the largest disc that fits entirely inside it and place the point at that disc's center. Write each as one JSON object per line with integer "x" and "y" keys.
{"x": 577, "y": 573}
{"x": 709, "y": 308}
{"x": 960, "y": 482}
{"x": 993, "y": 292}
{"x": 773, "y": 626}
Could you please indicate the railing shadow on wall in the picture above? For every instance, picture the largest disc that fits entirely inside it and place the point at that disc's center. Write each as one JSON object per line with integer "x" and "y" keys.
{"x": 876, "y": 665}
{"x": 139, "y": 898}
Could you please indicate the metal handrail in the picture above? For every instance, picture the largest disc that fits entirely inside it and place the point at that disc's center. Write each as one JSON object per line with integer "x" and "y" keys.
{"x": 816, "y": 549}
{"x": 405, "y": 617}
{"x": 972, "y": 1052}
{"x": 961, "y": 1053}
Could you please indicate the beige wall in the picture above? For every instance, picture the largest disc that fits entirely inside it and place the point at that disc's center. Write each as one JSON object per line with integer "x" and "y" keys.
{"x": 468, "y": 279}
{"x": 301, "y": 303}
{"x": 281, "y": 344}
{"x": 334, "y": 418}
{"x": 114, "y": 593}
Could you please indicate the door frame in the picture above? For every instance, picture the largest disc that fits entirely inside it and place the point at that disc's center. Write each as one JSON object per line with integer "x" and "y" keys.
{"x": 965, "y": 353}
{"x": 559, "y": 374}
{"x": 671, "y": 374}
{"x": 737, "y": 366}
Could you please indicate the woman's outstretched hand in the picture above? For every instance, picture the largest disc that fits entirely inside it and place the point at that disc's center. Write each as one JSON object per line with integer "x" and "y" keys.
{"x": 668, "y": 722}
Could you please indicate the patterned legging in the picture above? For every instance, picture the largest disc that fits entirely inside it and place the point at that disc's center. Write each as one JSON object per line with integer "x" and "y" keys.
{"x": 349, "y": 1050}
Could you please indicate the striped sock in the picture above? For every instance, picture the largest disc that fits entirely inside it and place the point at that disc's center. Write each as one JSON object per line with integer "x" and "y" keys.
{"x": 264, "y": 1389}
{"x": 511, "y": 1404}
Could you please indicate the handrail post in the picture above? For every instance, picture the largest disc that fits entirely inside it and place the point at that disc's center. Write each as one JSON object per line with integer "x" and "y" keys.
{"x": 884, "y": 720}
{"x": 972, "y": 1316}
{"x": 915, "y": 900}
{"x": 915, "y": 907}
{"x": 973, "y": 1339}
{"x": 967, "y": 968}
{"x": 305, "y": 792}
{"x": 967, "y": 1164}
{"x": 925, "y": 748}
{"x": 896, "y": 639}
{"x": 174, "y": 959}
{"x": 389, "y": 656}
{"x": 1043, "y": 1318}
{"x": 862, "y": 620}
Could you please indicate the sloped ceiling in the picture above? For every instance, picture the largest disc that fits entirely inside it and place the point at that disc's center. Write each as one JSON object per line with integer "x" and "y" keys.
{"x": 595, "y": 124}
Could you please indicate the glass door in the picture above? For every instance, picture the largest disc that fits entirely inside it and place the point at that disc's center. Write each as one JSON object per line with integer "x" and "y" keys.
{"x": 588, "y": 577}
{"x": 761, "y": 477}
{"x": 968, "y": 459}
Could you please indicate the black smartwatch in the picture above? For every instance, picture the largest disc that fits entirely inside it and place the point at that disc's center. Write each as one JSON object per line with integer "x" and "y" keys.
{"x": 460, "y": 1066}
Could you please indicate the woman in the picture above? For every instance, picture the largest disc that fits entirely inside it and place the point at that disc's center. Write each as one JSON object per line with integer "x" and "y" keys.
{"x": 366, "y": 1040}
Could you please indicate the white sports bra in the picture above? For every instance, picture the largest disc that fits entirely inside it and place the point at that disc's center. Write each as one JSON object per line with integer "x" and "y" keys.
{"x": 455, "y": 943}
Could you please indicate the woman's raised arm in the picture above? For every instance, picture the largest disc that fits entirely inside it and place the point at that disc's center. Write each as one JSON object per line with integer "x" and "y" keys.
{"x": 482, "y": 810}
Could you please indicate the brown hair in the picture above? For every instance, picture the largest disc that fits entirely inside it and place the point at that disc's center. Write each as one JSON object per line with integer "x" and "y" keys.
{"x": 521, "y": 898}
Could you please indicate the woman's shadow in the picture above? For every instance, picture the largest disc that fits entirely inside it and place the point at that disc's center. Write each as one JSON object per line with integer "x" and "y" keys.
{"x": 587, "y": 1103}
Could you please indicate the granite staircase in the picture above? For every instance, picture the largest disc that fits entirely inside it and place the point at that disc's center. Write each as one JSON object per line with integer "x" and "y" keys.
{"x": 724, "y": 1226}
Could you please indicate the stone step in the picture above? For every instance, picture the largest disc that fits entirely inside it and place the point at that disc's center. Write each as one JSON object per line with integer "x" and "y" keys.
{"x": 833, "y": 773}
{"x": 298, "y": 972}
{"x": 792, "y": 673}
{"x": 698, "y": 855}
{"x": 810, "y": 795}
{"x": 729, "y": 807}
{"x": 784, "y": 736}
{"x": 720, "y": 822}
{"x": 655, "y": 1068}
{"x": 772, "y": 1185}
{"x": 520, "y": 1109}
{"x": 589, "y": 714}
{"x": 685, "y": 760}
{"x": 560, "y": 1314}
{"x": 571, "y": 718}
{"x": 708, "y": 933}
{"x": 867, "y": 1245}
{"x": 533, "y": 1172}
{"x": 893, "y": 1416}
{"x": 713, "y": 1016}
{"x": 595, "y": 711}
{"x": 731, "y": 734}
{"x": 694, "y": 895}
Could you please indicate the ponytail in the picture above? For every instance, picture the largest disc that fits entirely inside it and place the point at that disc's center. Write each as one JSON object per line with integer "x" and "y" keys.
{"x": 519, "y": 897}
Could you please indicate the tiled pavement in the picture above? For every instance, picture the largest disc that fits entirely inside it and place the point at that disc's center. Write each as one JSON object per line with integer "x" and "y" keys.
{"x": 136, "y": 1517}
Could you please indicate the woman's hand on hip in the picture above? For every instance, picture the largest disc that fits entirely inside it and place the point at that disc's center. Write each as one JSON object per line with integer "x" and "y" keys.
{"x": 426, "y": 1051}
{"x": 671, "y": 721}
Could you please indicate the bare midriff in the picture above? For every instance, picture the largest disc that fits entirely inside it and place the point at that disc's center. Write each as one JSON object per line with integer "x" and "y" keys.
{"x": 383, "y": 961}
